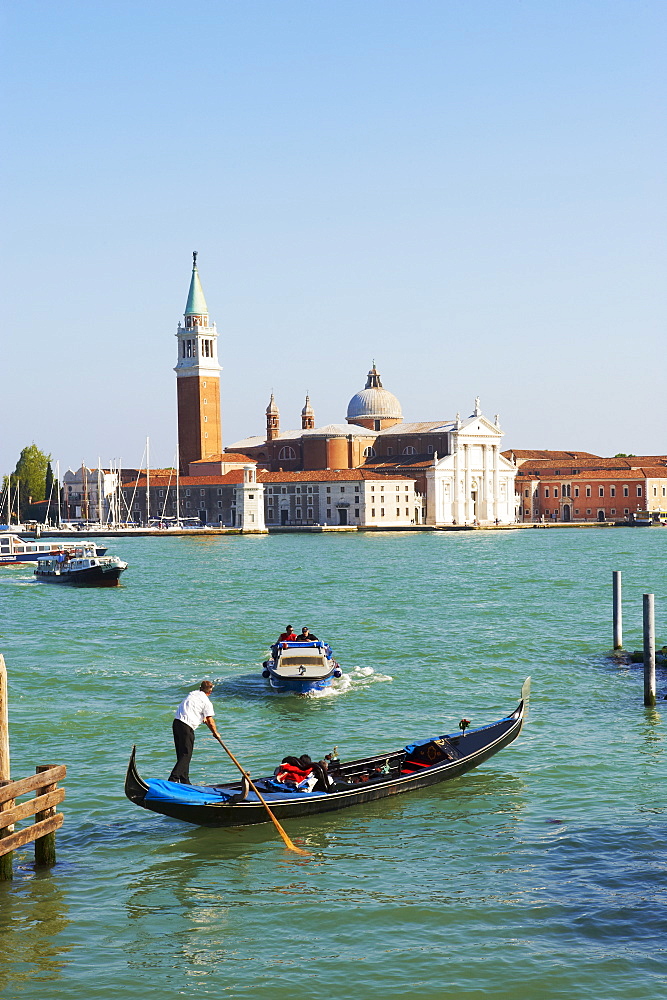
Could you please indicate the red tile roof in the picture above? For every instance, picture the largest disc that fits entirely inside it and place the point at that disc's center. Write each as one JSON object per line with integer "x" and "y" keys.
{"x": 235, "y": 476}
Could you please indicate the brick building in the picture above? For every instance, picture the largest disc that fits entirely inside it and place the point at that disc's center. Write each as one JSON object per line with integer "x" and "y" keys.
{"x": 576, "y": 486}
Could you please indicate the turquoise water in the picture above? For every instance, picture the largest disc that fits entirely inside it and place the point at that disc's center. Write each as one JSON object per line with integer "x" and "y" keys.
{"x": 540, "y": 875}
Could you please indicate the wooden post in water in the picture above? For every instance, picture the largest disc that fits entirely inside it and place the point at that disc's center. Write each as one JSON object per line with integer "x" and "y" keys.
{"x": 649, "y": 649}
{"x": 45, "y": 847}
{"x": 6, "y": 861}
{"x": 618, "y": 610}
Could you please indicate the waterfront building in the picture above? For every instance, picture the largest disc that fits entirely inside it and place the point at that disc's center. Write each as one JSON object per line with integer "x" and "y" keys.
{"x": 252, "y": 499}
{"x": 197, "y": 379}
{"x": 578, "y": 486}
{"x": 88, "y": 495}
{"x": 457, "y": 464}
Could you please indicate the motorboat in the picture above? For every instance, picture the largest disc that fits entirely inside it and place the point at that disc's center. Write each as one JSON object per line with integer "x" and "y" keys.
{"x": 301, "y": 667}
{"x": 354, "y": 783}
{"x": 81, "y": 567}
{"x": 15, "y": 550}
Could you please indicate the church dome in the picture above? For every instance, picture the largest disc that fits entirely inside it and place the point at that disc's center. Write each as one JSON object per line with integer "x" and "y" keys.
{"x": 374, "y": 402}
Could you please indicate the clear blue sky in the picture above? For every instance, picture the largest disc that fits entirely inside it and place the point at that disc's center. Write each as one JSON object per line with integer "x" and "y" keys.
{"x": 471, "y": 193}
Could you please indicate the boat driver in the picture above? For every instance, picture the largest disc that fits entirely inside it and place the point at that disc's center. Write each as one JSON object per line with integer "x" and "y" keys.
{"x": 305, "y": 635}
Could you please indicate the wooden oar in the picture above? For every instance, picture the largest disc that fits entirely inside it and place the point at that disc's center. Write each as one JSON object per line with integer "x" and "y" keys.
{"x": 288, "y": 843}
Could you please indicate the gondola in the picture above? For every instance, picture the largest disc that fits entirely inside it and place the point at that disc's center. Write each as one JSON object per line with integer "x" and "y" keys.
{"x": 417, "y": 765}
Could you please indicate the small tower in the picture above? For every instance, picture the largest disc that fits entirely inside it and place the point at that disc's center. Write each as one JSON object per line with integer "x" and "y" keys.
{"x": 307, "y": 416}
{"x": 197, "y": 379}
{"x": 272, "y": 420}
{"x": 250, "y": 502}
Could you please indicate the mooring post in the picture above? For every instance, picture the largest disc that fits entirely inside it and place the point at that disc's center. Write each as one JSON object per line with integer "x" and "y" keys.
{"x": 45, "y": 847}
{"x": 6, "y": 861}
{"x": 618, "y": 610}
{"x": 649, "y": 649}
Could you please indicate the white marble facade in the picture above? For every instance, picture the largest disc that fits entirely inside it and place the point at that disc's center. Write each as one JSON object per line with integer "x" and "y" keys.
{"x": 473, "y": 484}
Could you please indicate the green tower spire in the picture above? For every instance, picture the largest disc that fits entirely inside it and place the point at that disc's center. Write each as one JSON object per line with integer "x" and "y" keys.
{"x": 196, "y": 305}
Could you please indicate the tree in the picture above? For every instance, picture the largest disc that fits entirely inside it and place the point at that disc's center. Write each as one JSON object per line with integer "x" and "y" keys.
{"x": 30, "y": 477}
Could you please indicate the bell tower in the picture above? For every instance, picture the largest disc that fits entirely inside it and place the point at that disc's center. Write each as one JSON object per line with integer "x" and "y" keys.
{"x": 197, "y": 379}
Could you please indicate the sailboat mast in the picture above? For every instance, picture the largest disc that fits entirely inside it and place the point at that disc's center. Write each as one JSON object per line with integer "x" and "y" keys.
{"x": 178, "y": 499}
{"x": 148, "y": 482}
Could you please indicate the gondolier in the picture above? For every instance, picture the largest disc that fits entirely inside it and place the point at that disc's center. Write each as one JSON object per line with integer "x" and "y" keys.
{"x": 192, "y": 711}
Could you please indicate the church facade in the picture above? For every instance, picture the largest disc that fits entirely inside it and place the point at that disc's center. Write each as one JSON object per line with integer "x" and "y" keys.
{"x": 456, "y": 464}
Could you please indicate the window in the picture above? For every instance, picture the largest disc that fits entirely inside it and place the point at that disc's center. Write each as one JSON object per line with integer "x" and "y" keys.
{"x": 356, "y": 512}
{"x": 205, "y": 419}
{"x": 381, "y": 511}
{"x": 298, "y": 489}
{"x": 372, "y": 511}
{"x": 187, "y": 503}
{"x": 287, "y": 453}
{"x": 369, "y": 452}
{"x": 390, "y": 451}
{"x": 639, "y": 491}
{"x": 356, "y": 489}
{"x": 429, "y": 449}
{"x": 626, "y": 491}
{"x": 576, "y": 510}
{"x": 187, "y": 493}
{"x": 202, "y": 493}
{"x": 664, "y": 491}
{"x": 342, "y": 489}
{"x": 219, "y": 503}
{"x": 555, "y": 492}
{"x": 655, "y": 491}
{"x": 601, "y": 491}
{"x": 328, "y": 489}
{"x": 398, "y": 512}
{"x": 219, "y": 492}
{"x": 309, "y": 490}
{"x": 161, "y": 492}
{"x": 328, "y": 512}
{"x": 588, "y": 491}
{"x": 612, "y": 491}
{"x": 546, "y": 491}
{"x": 613, "y": 510}
{"x": 588, "y": 510}
{"x": 298, "y": 512}
{"x": 407, "y": 512}
{"x": 283, "y": 489}
{"x": 409, "y": 450}
{"x": 576, "y": 491}
{"x": 270, "y": 490}
{"x": 626, "y": 510}
{"x": 526, "y": 493}
{"x": 310, "y": 512}
{"x": 269, "y": 513}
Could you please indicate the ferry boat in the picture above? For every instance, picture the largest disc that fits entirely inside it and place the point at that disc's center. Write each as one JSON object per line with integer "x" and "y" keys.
{"x": 301, "y": 666}
{"x": 15, "y": 550}
{"x": 82, "y": 567}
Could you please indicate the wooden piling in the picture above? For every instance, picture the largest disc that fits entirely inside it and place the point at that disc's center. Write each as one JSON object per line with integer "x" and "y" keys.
{"x": 45, "y": 847}
{"x": 618, "y": 610}
{"x": 6, "y": 860}
{"x": 649, "y": 649}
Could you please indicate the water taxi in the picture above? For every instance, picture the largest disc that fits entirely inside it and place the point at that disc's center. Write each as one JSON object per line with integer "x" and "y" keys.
{"x": 301, "y": 667}
{"x": 81, "y": 567}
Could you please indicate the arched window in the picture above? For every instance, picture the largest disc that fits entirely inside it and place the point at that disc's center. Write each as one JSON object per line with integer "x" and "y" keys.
{"x": 287, "y": 453}
{"x": 369, "y": 452}
{"x": 409, "y": 450}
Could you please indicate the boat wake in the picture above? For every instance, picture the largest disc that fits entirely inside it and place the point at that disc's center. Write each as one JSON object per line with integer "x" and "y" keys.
{"x": 356, "y": 679}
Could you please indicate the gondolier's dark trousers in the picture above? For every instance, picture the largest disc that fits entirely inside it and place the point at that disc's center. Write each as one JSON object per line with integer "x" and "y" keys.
{"x": 184, "y": 741}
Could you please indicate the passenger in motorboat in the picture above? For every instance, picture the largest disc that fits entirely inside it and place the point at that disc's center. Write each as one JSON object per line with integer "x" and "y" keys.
{"x": 289, "y": 635}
